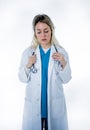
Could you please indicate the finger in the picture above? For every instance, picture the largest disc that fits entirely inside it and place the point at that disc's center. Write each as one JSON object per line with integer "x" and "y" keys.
{"x": 56, "y": 54}
{"x": 34, "y": 56}
{"x": 34, "y": 59}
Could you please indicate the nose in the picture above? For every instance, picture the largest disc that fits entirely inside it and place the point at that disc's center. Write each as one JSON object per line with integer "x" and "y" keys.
{"x": 43, "y": 34}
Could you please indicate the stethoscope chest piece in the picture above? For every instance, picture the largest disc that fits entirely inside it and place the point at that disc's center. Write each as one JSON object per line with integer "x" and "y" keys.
{"x": 34, "y": 70}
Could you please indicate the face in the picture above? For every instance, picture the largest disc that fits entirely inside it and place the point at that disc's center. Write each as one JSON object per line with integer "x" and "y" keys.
{"x": 43, "y": 34}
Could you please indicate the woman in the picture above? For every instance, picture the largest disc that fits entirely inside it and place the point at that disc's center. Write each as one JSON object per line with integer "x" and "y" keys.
{"x": 44, "y": 67}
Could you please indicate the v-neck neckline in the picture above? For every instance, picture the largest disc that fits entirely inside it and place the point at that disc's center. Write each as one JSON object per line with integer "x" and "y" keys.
{"x": 42, "y": 50}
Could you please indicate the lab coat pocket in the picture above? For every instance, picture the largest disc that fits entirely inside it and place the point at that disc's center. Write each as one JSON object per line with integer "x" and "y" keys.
{"x": 57, "y": 107}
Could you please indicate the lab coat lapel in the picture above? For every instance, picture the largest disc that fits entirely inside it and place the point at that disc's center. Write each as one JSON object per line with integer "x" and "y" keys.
{"x": 38, "y": 62}
{"x": 51, "y": 63}
{"x": 50, "y": 68}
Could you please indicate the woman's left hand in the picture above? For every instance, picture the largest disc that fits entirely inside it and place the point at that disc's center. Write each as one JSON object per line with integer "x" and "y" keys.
{"x": 59, "y": 57}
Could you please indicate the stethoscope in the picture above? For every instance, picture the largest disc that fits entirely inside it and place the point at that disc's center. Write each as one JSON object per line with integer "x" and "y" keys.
{"x": 33, "y": 68}
{"x": 56, "y": 51}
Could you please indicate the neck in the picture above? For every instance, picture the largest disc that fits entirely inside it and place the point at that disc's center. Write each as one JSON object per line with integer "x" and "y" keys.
{"x": 46, "y": 46}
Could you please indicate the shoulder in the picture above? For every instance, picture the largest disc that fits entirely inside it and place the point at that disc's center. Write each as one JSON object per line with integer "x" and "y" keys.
{"x": 28, "y": 51}
{"x": 62, "y": 50}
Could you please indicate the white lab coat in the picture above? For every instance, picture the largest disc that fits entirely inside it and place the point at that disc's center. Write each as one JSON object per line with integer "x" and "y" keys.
{"x": 57, "y": 115}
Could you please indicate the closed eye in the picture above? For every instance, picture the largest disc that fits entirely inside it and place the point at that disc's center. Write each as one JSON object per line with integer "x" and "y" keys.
{"x": 46, "y": 31}
{"x": 38, "y": 32}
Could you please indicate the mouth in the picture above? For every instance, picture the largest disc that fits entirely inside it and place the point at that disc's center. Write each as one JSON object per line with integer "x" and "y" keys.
{"x": 44, "y": 39}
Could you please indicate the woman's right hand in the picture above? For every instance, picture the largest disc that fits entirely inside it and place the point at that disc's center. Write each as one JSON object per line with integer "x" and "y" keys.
{"x": 31, "y": 61}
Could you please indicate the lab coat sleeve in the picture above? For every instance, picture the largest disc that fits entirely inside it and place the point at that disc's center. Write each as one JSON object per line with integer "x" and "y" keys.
{"x": 24, "y": 73}
{"x": 65, "y": 74}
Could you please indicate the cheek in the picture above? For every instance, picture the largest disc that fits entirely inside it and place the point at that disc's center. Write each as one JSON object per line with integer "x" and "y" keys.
{"x": 49, "y": 36}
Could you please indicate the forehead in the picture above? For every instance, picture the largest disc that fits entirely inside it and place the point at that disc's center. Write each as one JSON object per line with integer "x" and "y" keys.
{"x": 41, "y": 25}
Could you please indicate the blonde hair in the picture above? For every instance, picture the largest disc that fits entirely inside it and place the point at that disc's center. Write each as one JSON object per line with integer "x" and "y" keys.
{"x": 44, "y": 19}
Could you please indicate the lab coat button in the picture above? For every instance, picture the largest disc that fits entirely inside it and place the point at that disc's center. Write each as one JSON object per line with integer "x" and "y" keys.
{"x": 37, "y": 99}
{"x": 37, "y": 114}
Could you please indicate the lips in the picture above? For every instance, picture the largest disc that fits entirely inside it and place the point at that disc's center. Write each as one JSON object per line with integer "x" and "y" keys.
{"x": 44, "y": 39}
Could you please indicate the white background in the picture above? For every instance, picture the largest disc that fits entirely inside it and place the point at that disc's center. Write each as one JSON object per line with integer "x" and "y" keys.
{"x": 72, "y": 21}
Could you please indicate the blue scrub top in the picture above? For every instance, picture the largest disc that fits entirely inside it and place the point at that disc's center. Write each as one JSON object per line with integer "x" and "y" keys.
{"x": 44, "y": 80}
